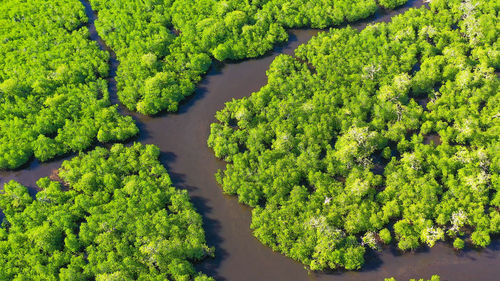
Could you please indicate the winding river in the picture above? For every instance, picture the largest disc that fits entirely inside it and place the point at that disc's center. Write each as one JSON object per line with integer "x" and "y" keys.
{"x": 191, "y": 164}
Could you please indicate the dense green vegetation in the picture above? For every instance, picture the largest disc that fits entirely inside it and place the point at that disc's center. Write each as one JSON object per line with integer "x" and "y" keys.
{"x": 433, "y": 278}
{"x": 164, "y": 46}
{"x": 53, "y": 98}
{"x": 342, "y": 151}
{"x": 114, "y": 215}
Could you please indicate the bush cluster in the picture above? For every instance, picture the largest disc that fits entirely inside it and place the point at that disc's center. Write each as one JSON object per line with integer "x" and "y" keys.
{"x": 363, "y": 138}
{"x": 112, "y": 215}
{"x": 53, "y": 95}
{"x": 165, "y": 46}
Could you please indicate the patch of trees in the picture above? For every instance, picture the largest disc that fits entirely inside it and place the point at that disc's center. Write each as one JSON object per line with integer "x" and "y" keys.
{"x": 333, "y": 153}
{"x": 113, "y": 216}
{"x": 53, "y": 98}
{"x": 433, "y": 278}
{"x": 164, "y": 47}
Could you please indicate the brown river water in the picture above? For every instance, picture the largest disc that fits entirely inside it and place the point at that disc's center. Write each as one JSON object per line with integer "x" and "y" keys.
{"x": 238, "y": 255}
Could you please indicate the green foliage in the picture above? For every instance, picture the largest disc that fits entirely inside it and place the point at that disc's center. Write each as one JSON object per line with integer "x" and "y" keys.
{"x": 166, "y": 46}
{"x": 458, "y": 244}
{"x": 336, "y": 147}
{"x": 433, "y": 278}
{"x": 385, "y": 235}
{"x": 53, "y": 96}
{"x": 391, "y": 4}
{"x": 113, "y": 216}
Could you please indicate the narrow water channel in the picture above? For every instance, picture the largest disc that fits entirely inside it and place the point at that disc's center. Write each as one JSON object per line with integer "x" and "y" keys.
{"x": 191, "y": 164}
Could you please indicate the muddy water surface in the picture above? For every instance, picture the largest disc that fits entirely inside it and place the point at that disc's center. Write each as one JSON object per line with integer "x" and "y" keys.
{"x": 239, "y": 256}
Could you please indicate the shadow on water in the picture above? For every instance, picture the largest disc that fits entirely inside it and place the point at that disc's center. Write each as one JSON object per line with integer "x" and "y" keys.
{"x": 113, "y": 61}
{"x": 211, "y": 226}
{"x": 182, "y": 138}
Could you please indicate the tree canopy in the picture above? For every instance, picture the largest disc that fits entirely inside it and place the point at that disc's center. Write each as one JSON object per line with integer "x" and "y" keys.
{"x": 433, "y": 278}
{"x": 112, "y": 215}
{"x": 53, "y": 96}
{"x": 165, "y": 46}
{"x": 363, "y": 138}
